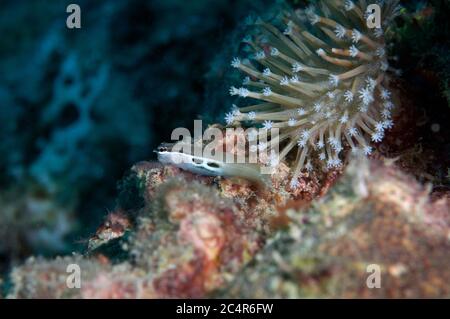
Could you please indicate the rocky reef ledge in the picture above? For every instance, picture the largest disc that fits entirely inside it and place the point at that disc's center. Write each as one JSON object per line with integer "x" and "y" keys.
{"x": 178, "y": 235}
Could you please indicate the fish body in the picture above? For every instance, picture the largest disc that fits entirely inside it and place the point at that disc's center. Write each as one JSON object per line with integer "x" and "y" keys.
{"x": 209, "y": 166}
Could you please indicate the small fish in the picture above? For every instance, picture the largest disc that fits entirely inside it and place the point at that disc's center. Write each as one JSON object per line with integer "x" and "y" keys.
{"x": 207, "y": 166}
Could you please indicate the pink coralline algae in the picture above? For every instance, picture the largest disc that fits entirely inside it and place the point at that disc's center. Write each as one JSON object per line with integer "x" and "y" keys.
{"x": 194, "y": 236}
{"x": 189, "y": 238}
{"x": 383, "y": 219}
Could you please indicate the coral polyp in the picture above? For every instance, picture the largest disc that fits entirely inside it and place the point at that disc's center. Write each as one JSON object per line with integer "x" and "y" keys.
{"x": 323, "y": 82}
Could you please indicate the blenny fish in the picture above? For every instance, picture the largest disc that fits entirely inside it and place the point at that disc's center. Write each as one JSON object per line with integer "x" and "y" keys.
{"x": 209, "y": 165}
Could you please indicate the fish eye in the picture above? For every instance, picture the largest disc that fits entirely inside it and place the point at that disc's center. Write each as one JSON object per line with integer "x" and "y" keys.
{"x": 162, "y": 149}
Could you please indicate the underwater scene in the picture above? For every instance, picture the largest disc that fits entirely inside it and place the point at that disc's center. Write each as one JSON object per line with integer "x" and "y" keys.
{"x": 169, "y": 149}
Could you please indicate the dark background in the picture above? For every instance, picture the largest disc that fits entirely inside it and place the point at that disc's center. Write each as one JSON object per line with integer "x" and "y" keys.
{"x": 79, "y": 106}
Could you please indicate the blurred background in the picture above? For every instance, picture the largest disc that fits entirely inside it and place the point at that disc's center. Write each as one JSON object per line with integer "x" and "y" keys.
{"x": 79, "y": 106}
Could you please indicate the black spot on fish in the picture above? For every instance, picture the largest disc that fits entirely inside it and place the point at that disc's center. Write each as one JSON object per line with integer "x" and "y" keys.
{"x": 213, "y": 165}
